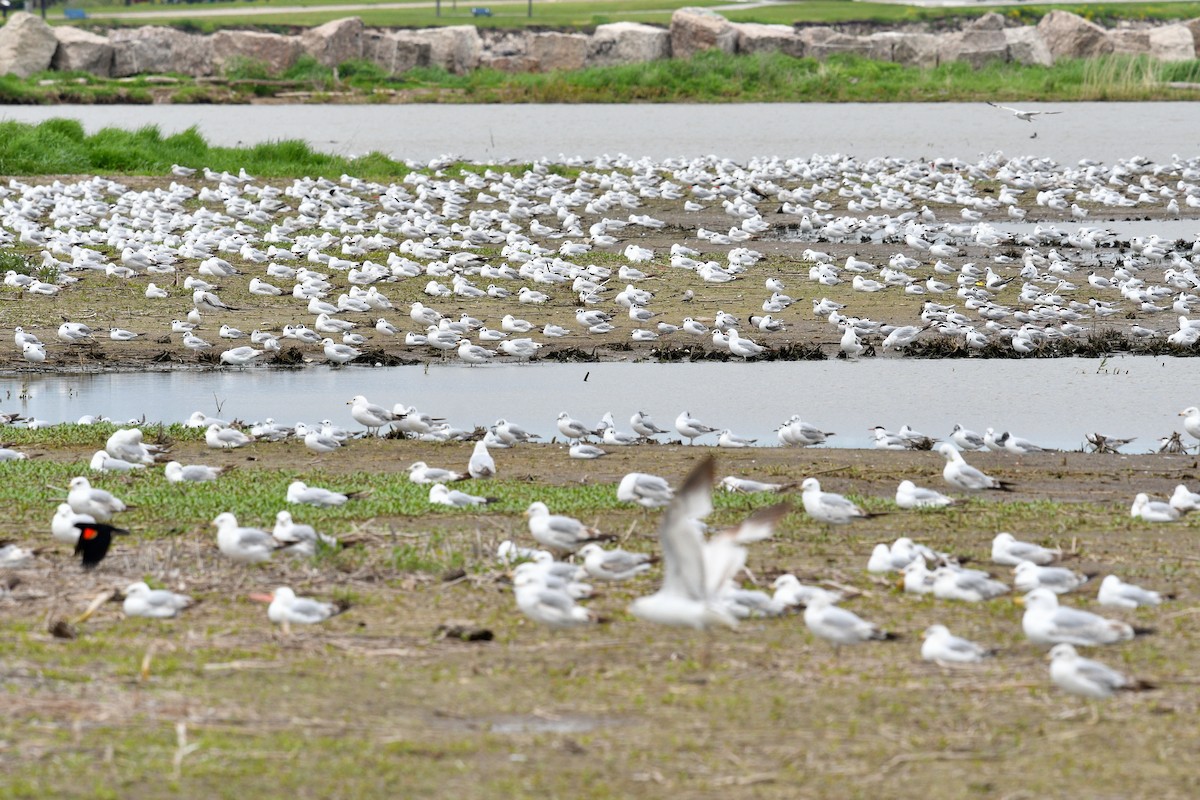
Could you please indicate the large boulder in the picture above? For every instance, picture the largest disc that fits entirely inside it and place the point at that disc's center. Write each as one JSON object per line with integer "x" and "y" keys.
{"x": 821, "y": 43}
{"x": 554, "y": 51}
{"x": 974, "y": 46}
{"x": 909, "y": 49}
{"x": 1130, "y": 41}
{"x": 1071, "y": 36}
{"x": 335, "y": 42}
{"x": 1193, "y": 25}
{"x": 393, "y": 53}
{"x": 1026, "y": 46}
{"x": 755, "y": 37}
{"x": 694, "y": 30}
{"x": 627, "y": 43}
{"x": 1172, "y": 43}
{"x": 990, "y": 21}
{"x": 82, "y": 51}
{"x": 456, "y": 48}
{"x": 27, "y": 45}
{"x": 154, "y": 50}
{"x": 276, "y": 52}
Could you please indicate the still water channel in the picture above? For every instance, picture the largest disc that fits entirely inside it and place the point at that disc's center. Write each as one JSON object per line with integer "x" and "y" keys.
{"x": 1101, "y": 131}
{"x": 1053, "y": 402}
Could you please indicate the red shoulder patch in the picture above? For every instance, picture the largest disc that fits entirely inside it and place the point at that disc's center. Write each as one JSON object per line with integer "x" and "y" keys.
{"x": 90, "y": 533}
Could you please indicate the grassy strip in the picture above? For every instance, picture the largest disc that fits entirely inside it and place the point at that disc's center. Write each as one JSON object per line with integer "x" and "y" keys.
{"x": 61, "y": 146}
{"x": 711, "y": 77}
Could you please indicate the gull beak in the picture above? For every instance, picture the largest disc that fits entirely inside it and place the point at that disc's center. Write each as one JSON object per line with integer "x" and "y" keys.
{"x": 900, "y": 584}
{"x": 1019, "y": 601}
{"x": 259, "y": 597}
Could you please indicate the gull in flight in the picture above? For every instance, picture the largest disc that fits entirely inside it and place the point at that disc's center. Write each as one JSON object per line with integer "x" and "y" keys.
{"x": 695, "y": 571}
{"x": 1021, "y": 114}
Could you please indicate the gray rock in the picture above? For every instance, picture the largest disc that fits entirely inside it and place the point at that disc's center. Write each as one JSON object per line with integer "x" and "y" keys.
{"x": 554, "y": 51}
{"x": 975, "y": 47}
{"x": 1130, "y": 41}
{"x": 1071, "y": 36}
{"x": 990, "y": 21}
{"x": 394, "y": 53}
{"x": 27, "y": 45}
{"x": 501, "y": 43}
{"x": 456, "y": 48}
{"x": 514, "y": 63}
{"x": 755, "y": 37}
{"x": 155, "y": 50}
{"x": 82, "y": 51}
{"x": 627, "y": 43}
{"x": 694, "y": 30}
{"x": 277, "y": 53}
{"x": 1026, "y": 46}
{"x": 910, "y": 49}
{"x": 1172, "y": 43}
{"x": 335, "y": 42}
{"x": 1193, "y": 25}
{"x": 821, "y": 43}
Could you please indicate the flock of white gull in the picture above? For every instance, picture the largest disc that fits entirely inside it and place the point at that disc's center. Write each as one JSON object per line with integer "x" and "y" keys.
{"x": 519, "y": 249}
{"x": 700, "y": 587}
{"x": 952, "y": 234}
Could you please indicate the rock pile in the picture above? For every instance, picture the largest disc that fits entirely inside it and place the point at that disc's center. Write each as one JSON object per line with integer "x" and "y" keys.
{"x": 28, "y": 45}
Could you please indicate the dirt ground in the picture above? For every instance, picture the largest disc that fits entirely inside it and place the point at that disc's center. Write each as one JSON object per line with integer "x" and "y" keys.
{"x": 378, "y": 699}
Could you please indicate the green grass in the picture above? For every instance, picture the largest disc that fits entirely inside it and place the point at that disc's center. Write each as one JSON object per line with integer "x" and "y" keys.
{"x": 62, "y": 146}
{"x": 710, "y": 77}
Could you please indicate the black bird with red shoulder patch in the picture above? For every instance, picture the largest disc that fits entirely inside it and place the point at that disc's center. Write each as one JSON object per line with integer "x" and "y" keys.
{"x": 94, "y": 539}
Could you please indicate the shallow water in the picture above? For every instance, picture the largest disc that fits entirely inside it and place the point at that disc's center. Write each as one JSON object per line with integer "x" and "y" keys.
{"x": 1051, "y": 402}
{"x": 1102, "y": 131}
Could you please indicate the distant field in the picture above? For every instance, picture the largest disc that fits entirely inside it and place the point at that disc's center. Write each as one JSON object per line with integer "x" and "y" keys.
{"x": 512, "y": 14}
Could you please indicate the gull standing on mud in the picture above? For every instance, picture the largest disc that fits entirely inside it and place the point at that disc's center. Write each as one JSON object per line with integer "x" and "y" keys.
{"x": 828, "y": 507}
{"x": 962, "y": 475}
{"x": 690, "y": 428}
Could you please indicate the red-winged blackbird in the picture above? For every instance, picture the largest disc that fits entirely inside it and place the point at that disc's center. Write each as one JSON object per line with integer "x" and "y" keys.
{"x": 94, "y": 539}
